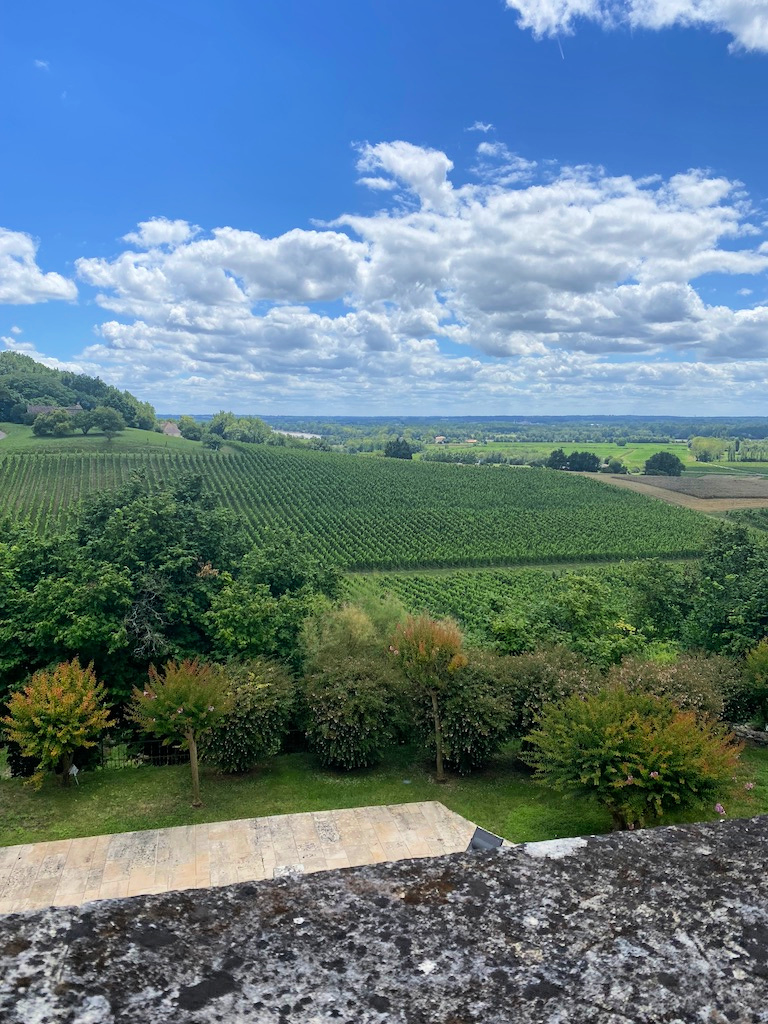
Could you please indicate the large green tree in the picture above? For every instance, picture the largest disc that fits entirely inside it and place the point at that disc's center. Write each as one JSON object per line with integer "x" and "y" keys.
{"x": 664, "y": 464}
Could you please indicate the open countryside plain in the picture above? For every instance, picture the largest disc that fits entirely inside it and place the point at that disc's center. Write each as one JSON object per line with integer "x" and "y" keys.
{"x": 370, "y": 513}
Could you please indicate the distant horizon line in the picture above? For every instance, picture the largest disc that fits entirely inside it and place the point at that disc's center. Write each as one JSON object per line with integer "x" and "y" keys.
{"x": 517, "y": 418}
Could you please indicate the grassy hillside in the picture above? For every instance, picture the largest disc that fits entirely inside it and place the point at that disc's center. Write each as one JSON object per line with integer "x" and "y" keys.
{"x": 21, "y": 438}
{"x": 366, "y": 513}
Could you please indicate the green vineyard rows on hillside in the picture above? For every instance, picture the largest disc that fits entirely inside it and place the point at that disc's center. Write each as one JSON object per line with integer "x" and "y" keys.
{"x": 756, "y": 517}
{"x": 377, "y": 513}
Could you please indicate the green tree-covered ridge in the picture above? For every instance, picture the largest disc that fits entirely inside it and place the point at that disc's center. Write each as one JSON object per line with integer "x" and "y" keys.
{"x": 24, "y": 382}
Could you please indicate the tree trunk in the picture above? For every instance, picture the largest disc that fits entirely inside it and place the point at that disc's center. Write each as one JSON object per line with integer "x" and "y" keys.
{"x": 192, "y": 743}
{"x": 618, "y": 821}
{"x": 66, "y": 764}
{"x": 440, "y": 777}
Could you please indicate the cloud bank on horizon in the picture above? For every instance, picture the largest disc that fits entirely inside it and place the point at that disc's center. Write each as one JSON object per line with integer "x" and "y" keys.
{"x": 557, "y": 287}
{"x": 746, "y": 21}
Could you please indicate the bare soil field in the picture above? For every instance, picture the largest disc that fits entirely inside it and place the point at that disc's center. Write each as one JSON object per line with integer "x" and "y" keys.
{"x": 702, "y": 493}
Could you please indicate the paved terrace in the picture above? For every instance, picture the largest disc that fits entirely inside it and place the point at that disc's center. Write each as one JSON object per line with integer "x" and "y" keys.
{"x": 75, "y": 871}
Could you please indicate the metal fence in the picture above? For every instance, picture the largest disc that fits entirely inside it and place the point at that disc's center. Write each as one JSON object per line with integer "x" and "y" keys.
{"x": 132, "y": 752}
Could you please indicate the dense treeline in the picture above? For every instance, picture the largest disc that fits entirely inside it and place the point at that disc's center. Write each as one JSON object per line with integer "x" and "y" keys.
{"x": 23, "y": 382}
{"x": 364, "y": 433}
{"x": 142, "y": 577}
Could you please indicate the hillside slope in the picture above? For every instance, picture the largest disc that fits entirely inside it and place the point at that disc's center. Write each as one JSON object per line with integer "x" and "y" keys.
{"x": 375, "y": 513}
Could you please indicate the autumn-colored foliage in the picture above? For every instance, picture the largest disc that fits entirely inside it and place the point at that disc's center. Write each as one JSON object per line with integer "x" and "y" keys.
{"x": 57, "y": 713}
{"x": 179, "y": 704}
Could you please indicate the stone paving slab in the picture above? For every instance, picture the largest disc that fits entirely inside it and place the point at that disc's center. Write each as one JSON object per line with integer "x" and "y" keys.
{"x": 74, "y": 871}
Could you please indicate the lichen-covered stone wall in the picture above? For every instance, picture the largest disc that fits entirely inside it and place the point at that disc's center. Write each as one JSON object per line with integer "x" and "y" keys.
{"x": 666, "y": 925}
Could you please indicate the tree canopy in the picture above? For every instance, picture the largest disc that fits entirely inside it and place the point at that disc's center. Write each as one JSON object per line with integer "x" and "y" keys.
{"x": 664, "y": 464}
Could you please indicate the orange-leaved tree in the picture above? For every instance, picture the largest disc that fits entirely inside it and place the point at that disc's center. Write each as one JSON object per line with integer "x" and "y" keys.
{"x": 179, "y": 705}
{"x": 57, "y": 713}
{"x": 430, "y": 652}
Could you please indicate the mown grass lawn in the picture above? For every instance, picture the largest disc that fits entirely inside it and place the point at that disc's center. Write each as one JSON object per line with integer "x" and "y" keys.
{"x": 503, "y": 799}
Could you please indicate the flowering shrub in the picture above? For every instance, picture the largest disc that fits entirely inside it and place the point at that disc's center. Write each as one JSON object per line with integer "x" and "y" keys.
{"x": 261, "y": 694}
{"x": 179, "y": 705}
{"x": 695, "y": 682}
{"x": 55, "y": 714}
{"x": 474, "y": 716}
{"x": 532, "y": 681}
{"x": 637, "y": 754}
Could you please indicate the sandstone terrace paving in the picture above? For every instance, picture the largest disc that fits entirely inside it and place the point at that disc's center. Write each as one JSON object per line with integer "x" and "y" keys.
{"x": 69, "y": 872}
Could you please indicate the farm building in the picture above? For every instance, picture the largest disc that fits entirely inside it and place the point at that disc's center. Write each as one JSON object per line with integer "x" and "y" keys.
{"x": 38, "y": 410}
{"x": 440, "y": 439}
{"x": 170, "y": 429}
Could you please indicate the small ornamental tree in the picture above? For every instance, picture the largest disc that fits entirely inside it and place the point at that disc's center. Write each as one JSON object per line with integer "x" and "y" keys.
{"x": 430, "y": 652}
{"x": 664, "y": 464}
{"x": 638, "y": 755}
{"x": 57, "y": 713}
{"x": 179, "y": 705}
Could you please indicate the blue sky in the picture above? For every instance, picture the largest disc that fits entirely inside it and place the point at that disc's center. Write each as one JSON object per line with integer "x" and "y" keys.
{"x": 371, "y": 205}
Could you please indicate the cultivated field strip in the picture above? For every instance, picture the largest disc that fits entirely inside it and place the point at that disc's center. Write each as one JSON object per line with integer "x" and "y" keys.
{"x": 367, "y": 513}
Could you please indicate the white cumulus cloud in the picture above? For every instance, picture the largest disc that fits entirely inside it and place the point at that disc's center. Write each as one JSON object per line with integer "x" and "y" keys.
{"x": 746, "y": 21}
{"x": 22, "y": 282}
{"x": 530, "y": 286}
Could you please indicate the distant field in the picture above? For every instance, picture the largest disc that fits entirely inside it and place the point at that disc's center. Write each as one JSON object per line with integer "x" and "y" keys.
{"x": 632, "y": 455}
{"x": 370, "y": 513}
{"x": 713, "y": 486}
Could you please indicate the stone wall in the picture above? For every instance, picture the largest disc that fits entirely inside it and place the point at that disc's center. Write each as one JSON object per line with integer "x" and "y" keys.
{"x": 668, "y": 924}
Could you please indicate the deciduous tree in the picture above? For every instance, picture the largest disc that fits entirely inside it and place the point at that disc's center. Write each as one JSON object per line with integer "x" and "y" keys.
{"x": 179, "y": 705}
{"x": 430, "y": 652}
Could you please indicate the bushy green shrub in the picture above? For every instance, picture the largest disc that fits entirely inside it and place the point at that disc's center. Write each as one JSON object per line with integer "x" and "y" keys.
{"x": 534, "y": 680}
{"x": 749, "y": 700}
{"x": 353, "y": 702}
{"x": 638, "y": 755}
{"x": 261, "y": 694}
{"x": 474, "y": 716}
{"x": 348, "y": 720}
{"x": 695, "y": 682}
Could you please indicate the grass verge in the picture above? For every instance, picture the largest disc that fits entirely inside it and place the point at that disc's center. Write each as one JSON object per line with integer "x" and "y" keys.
{"x": 503, "y": 798}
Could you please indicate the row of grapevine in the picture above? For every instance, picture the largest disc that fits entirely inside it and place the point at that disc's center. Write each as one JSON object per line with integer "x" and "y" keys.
{"x": 378, "y": 513}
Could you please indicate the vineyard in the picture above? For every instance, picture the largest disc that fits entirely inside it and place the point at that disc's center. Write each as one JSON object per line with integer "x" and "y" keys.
{"x": 376, "y": 513}
{"x": 755, "y": 517}
{"x": 474, "y": 599}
